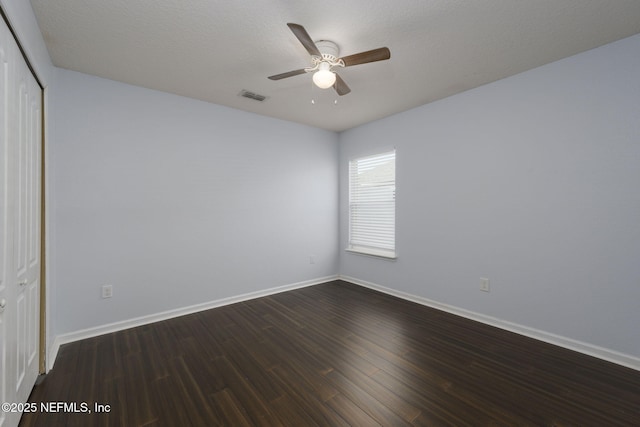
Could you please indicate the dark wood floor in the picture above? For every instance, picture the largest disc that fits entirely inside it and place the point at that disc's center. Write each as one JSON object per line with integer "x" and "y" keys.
{"x": 331, "y": 355}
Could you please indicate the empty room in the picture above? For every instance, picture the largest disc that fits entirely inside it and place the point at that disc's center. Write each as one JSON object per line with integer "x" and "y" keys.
{"x": 288, "y": 213}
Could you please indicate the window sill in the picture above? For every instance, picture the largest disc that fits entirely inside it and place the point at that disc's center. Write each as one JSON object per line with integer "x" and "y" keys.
{"x": 378, "y": 253}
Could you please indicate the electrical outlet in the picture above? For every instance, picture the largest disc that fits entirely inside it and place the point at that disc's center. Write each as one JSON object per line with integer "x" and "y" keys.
{"x": 484, "y": 284}
{"x": 107, "y": 291}
{"x": 312, "y": 259}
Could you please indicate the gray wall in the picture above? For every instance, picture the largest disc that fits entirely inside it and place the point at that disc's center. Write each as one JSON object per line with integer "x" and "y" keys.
{"x": 177, "y": 202}
{"x": 531, "y": 181}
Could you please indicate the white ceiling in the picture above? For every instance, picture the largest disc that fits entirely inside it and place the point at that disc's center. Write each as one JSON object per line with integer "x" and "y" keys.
{"x": 212, "y": 49}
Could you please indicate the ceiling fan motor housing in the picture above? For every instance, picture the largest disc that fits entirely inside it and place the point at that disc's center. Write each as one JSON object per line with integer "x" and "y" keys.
{"x": 328, "y": 48}
{"x": 329, "y": 51}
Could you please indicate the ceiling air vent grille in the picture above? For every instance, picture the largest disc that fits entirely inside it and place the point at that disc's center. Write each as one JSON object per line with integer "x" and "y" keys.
{"x": 251, "y": 95}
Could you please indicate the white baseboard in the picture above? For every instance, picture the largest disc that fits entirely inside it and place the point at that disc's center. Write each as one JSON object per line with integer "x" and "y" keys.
{"x": 571, "y": 344}
{"x": 568, "y": 343}
{"x": 169, "y": 314}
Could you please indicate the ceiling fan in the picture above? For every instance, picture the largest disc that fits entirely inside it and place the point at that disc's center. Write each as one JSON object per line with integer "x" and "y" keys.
{"x": 324, "y": 57}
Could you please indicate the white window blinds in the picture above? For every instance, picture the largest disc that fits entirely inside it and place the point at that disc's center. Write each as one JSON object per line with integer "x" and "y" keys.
{"x": 372, "y": 205}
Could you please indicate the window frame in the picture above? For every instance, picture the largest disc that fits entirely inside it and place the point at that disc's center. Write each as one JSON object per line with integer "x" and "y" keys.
{"x": 384, "y": 215}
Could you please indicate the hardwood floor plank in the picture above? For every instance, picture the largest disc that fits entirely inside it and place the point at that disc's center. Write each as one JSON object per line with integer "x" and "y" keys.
{"x": 288, "y": 348}
{"x": 308, "y": 375}
{"x": 351, "y": 412}
{"x": 438, "y": 394}
{"x": 330, "y": 348}
{"x": 113, "y": 395}
{"x": 137, "y": 403}
{"x": 383, "y": 395}
{"x": 257, "y": 408}
{"x": 307, "y": 397}
{"x": 436, "y": 407}
{"x": 169, "y": 404}
{"x": 292, "y": 413}
{"x": 376, "y": 409}
{"x": 194, "y": 400}
{"x": 229, "y": 409}
{"x": 334, "y": 354}
{"x": 240, "y": 356}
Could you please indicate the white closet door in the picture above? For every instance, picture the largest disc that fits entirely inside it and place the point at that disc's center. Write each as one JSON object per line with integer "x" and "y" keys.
{"x": 20, "y": 213}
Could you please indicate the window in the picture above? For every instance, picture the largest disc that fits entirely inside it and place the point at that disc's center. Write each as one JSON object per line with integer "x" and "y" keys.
{"x": 372, "y": 205}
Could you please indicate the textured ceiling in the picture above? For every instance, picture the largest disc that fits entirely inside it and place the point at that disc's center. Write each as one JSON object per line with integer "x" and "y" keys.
{"x": 212, "y": 49}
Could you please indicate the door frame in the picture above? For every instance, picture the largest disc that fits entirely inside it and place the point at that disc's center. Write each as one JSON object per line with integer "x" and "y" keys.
{"x": 42, "y": 340}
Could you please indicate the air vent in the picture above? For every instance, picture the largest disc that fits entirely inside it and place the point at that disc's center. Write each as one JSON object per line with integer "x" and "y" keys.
{"x": 248, "y": 94}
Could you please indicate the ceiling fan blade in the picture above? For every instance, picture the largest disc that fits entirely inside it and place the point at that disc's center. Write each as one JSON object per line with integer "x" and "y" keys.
{"x": 340, "y": 86}
{"x": 305, "y": 39}
{"x": 287, "y": 74}
{"x": 374, "y": 55}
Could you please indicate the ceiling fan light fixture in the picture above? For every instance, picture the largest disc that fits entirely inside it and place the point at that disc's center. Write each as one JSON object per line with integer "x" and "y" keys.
{"x": 325, "y": 57}
{"x": 324, "y": 78}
